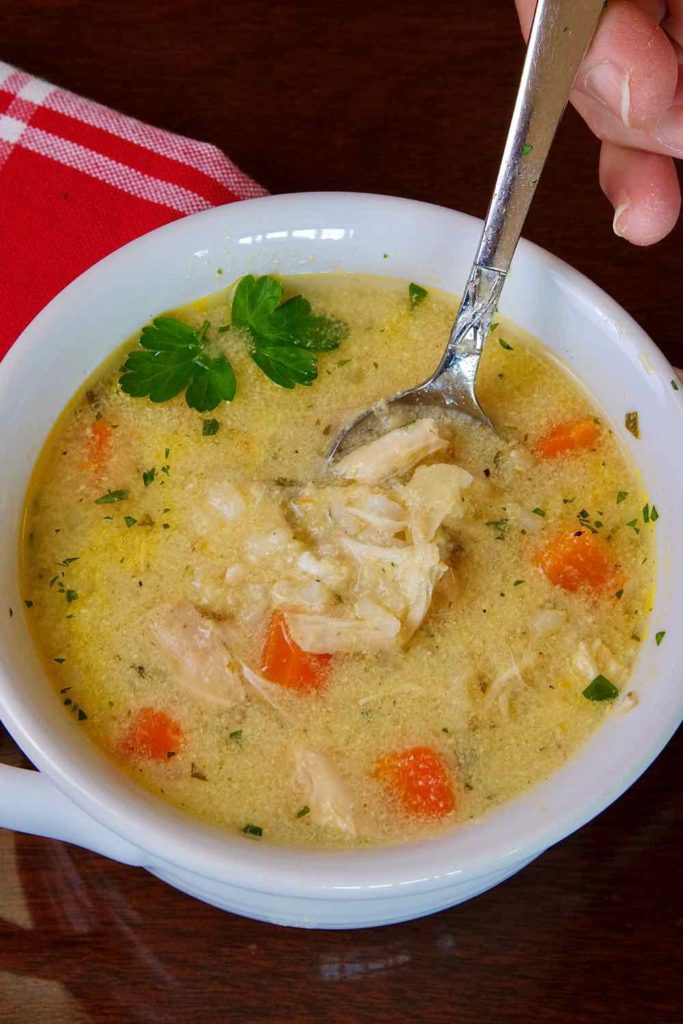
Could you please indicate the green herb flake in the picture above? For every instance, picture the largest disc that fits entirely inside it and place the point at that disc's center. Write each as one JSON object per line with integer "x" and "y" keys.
{"x": 659, "y": 637}
{"x": 518, "y": 583}
{"x": 284, "y": 335}
{"x": 253, "y": 830}
{"x": 527, "y": 148}
{"x": 646, "y": 513}
{"x": 68, "y": 561}
{"x": 505, "y": 344}
{"x": 502, "y": 525}
{"x": 619, "y": 594}
{"x": 29, "y": 604}
{"x": 210, "y": 427}
{"x": 417, "y": 294}
{"x": 81, "y": 715}
{"x": 129, "y": 521}
{"x": 148, "y": 476}
{"x": 634, "y": 525}
{"x": 601, "y": 689}
{"x": 632, "y": 423}
{"x": 111, "y": 497}
{"x": 303, "y": 811}
{"x": 622, "y": 496}
{"x": 538, "y": 511}
{"x": 60, "y": 661}
{"x": 654, "y": 514}
{"x": 236, "y": 735}
{"x": 674, "y": 385}
{"x": 71, "y": 596}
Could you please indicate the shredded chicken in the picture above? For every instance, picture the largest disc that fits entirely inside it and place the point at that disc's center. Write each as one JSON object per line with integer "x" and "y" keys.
{"x": 329, "y": 634}
{"x": 392, "y": 454}
{"x": 433, "y": 494}
{"x": 197, "y": 654}
{"x": 326, "y": 793}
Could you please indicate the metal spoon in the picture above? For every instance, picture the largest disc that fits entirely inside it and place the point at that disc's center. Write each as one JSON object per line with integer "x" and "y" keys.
{"x": 560, "y": 35}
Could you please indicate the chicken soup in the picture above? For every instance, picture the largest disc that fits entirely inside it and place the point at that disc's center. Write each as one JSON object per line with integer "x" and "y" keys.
{"x": 342, "y": 654}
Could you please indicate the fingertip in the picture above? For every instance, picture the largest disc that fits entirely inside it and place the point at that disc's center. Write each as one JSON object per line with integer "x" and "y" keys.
{"x": 644, "y": 191}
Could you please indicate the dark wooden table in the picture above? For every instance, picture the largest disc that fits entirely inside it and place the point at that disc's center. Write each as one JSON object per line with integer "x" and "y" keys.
{"x": 410, "y": 99}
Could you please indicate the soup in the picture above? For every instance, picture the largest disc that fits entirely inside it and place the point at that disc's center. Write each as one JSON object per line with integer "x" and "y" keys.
{"x": 343, "y": 655}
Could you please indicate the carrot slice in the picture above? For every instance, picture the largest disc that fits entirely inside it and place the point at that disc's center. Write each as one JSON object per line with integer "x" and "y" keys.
{"x": 577, "y": 560}
{"x": 284, "y": 662}
{"x": 98, "y": 445}
{"x": 574, "y": 436}
{"x": 152, "y": 734}
{"x": 419, "y": 780}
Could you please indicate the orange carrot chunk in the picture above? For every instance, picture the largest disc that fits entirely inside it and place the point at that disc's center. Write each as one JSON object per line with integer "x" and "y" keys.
{"x": 577, "y": 560}
{"x": 418, "y": 779}
{"x": 98, "y": 444}
{"x": 152, "y": 734}
{"x": 284, "y": 662}
{"x": 574, "y": 436}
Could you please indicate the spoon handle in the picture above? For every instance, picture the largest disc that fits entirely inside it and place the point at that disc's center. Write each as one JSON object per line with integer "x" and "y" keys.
{"x": 560, "y": 35}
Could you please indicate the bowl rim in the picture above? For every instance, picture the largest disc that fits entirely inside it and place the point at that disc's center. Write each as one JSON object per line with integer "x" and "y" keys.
{"x": 176, "y": 839}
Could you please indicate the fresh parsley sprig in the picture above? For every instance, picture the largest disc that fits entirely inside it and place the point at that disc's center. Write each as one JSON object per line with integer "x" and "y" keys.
{"x": 174, "y": 359}
{"x": 283, "y": 335}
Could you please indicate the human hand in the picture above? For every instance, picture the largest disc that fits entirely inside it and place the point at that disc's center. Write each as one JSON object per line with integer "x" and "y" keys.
{"x": 630, "y": 94}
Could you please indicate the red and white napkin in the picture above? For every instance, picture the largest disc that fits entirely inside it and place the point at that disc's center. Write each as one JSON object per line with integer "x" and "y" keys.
{"x": 78, "y": 180}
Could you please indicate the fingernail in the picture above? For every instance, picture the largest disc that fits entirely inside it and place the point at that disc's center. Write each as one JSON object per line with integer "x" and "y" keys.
{"x": 669, "y": 131}
{"x": 622, "y": 216}
{"x": 611, "y": 86}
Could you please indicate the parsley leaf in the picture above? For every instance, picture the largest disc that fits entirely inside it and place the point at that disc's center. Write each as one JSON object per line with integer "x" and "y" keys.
{"x": 416, "y": 294}
{"x": 283, "y": 335}
{"x": 601, "y": 689}
{"x": 172, "y": 359}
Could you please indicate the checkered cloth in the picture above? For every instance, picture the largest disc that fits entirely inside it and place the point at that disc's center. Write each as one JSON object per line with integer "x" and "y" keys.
{"x": 78, "y": 180}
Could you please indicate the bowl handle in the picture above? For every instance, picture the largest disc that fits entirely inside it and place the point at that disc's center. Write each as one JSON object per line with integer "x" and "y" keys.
{"x": 30, "y": 802}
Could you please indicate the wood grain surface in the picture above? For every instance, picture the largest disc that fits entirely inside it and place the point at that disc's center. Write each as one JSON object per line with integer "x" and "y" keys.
{"x": 410, "y": 99}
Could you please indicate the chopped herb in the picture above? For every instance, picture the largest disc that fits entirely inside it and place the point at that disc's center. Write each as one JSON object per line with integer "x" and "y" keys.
{"x": 622, "y": 496}
{"x": 71, "y": 596}
{"x": 343, "y": 362}
{"x": 619, "y": 594}
{"x": 538, "y": 511}
{"x": 65, "y": 689}
{"x": 502, "y": 525}
{"x": 417, "y": 294}
{"x": 634, "y": 525}
{"x": 518, "y": 583}
{"x": 67, "y": 701}
{"x": 253, "y": 830}
{"x": 568, "y": 501}
{"x": 81, "y": 715}
{"x": 196, "y": 773}
{"x": 219, "y": 271}
{"x": 674, "y": 385}
{"x": 526, "y": 149}
{"x": 646, "y": 513}
{"x": 659, "y": 637}
{"x": 601, "y": 689}
{"x": 654, "y": 514}
{"x": 505, "y": 344}
{"x": 236, "y": 735}
{"x": 172, "y": 358}
{"x": 210, "y": 427}
{"x": 284, "y": 335}
{"x": 60, "y": 661}
{"x": 167, "y": 452}
{"x": 632, "y": 423}
{"x": 148, "y": 476}
{"x": 224, "y": 329}
{"x": 68, "y": 561}
{"x": 303, "y": 811}
{"x": 166, "y": 526}
{"x": 166, "y": 470}
{"x": 111, "y": 497}
{"x": 129, "y": 521}
{"x": 29, "y": 604}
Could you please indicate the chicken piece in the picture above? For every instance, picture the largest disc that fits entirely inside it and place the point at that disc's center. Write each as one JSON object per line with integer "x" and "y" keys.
{"x": 401, "y": 579}
{"x": 326, "y": 793}
{"x": 197, "y": 654}
{"x": 271, "y": 693}
{"x": 433, "y": 494}
{"x": 392, "y": 454}
{"x": 329, "y": 634}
